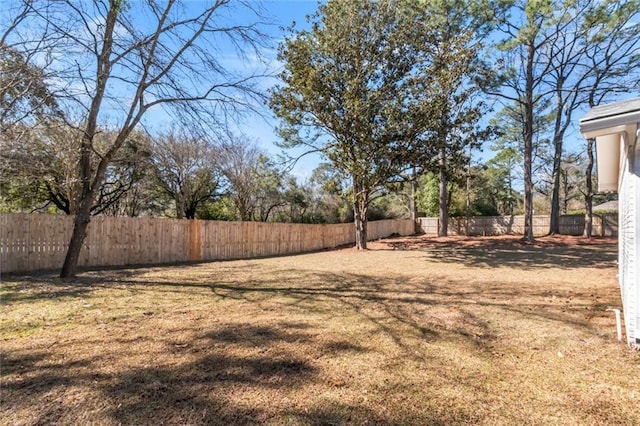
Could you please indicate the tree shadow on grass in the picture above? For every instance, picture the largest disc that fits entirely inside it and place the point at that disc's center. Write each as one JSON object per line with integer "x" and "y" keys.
{"x": 339, "y": 414}
{"x": 213, "y": 367}
{"x": 200, "y": 391}
{"x": 34, "y": 288}
{"x": 490, "y": 252}
{"x": 200, "y": 381}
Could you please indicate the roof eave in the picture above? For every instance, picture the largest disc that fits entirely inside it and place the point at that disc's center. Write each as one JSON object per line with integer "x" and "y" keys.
{"x": 627, "y": 122}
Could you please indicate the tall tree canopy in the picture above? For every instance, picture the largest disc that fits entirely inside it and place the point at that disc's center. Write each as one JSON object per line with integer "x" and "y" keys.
{"x": 459, "y": 29}
{"x": 354, "y": 88}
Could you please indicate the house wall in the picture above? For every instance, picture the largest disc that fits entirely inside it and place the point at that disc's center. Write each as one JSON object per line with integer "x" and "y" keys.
{"x": 629, "y": 233}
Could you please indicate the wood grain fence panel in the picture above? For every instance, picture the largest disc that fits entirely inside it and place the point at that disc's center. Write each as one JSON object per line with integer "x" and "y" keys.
{"x": 31, "y": 242}
{"x": 118, "y": 236}
{"x": 7, "y": 241}
{"x": 108, "y": 246}
{"x": 289, "y": 240}
{"x": 500, "y": 225}
{"x": 174, "y": 241}
{"x": 572, "y": 225}
{"x": 224, "y": 240}
{"x": 278, "y": 236}
{"x": 236, "y": 233}
{"x": 169, "y": 241}
{"x": 58, "y": 239}
{"x": 22, "y": 241}
{"x": 385, "y": 228}
{"x": 217, "y": 235}
{"x": 210, "y": 236}
{"x": 137, "y": 248}
{"x": 234, "y": 242}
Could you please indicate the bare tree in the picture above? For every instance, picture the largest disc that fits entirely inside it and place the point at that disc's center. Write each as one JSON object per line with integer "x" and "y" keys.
{"x": 563, "y": 56}
{"x": 186, "y": 171}
{"x": 255, "y": 185}
{"x": 238, "y": 163}
{"x": 116, "y": 60}
{"x": 270, "y": 188}
{"x": 593, "y": 54}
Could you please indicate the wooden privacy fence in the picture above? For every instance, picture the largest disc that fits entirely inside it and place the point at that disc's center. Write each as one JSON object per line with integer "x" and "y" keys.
{"x": 30, "y": 242}
{"x": 603, "y": 225}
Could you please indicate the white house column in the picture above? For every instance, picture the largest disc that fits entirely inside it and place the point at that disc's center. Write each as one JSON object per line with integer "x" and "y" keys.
{"x": 608, "y": 155}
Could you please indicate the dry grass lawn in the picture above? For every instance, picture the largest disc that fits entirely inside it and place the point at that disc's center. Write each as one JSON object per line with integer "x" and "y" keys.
{"x": 415, "y": 331}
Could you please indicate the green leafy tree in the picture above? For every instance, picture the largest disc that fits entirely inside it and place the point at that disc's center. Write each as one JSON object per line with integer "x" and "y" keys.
{"x": 238, "y": 159}
{"x": 509, "y": 148}
{"x": 269, "y": 189}
{"x": 328, "y": 187}
{"x": 353, "y": 89}
{"x": 525, "y": 40}
{"x": 459, "y": 77}
{"x": 25, "y": 97}
{"x": 501, "y": 176}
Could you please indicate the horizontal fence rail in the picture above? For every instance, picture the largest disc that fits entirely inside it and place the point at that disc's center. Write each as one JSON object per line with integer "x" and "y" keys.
{"x": 30, "y": 242}
{"x": 603, "y": 225}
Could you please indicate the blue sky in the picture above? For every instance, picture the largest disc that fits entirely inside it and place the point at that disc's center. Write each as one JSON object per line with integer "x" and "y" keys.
{"x": 284, "y": 12}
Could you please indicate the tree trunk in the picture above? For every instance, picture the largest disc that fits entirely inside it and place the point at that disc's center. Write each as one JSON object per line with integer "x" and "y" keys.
{"x": 443, "y": 207}
{"x": 190, "y": 211}
{"x": 360, "y": 205}
{"x": 588, "y": 196}
{"x": 179, "y": 206}
{"x": 565, "y": 193}
{"x": 360, "y": 220}
{"x": 468, "y": 201}
{"x": 88, "y": 181}
{"x": 512, "y": 198}
{"x": 80, "y": 227}
{"x": 528, "y": 146}
{"x": 554, "y": 221}
{"x": 413, "y": 202}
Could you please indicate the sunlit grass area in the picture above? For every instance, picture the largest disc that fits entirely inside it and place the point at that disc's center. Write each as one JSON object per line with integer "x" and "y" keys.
{"x": 414, "y": 331}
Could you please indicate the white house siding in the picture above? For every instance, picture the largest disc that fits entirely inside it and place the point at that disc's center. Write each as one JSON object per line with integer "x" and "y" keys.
{"x": 629, "y": 229}
{"x": 634, "y": 266}
{"x": 603, "y": 123}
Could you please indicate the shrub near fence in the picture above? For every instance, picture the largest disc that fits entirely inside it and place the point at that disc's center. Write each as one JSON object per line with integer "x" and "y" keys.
{"x": 30, "y": 242}
{"x": 603, "y": 225}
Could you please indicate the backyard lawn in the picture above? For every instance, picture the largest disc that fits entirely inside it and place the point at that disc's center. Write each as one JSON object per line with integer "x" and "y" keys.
{"x": 415, "y": 331}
